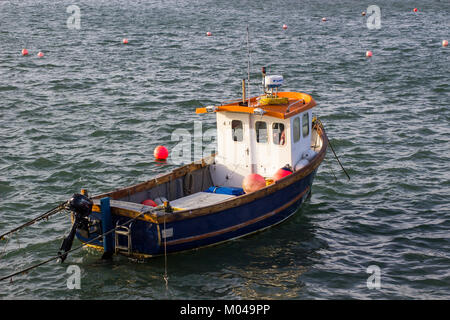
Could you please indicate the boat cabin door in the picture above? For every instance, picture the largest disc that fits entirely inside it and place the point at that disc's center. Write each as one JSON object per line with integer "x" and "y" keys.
{"x": 234, "y": 146}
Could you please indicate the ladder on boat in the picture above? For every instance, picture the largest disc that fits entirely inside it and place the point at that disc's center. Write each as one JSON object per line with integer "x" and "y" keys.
{"x": 123, "y": 232}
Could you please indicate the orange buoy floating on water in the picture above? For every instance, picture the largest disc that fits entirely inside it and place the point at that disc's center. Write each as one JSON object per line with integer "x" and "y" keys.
{"x": 253, "y": 182}
{"x": 149, "y": 202}
{"x": 281, "y": 173}
{"x": 209, "y": 34}
{"x": 161, "y": 153}
{"x": 24, "y": 52}
{"x": 445, "y": 43}
{"x": 125, "y": 41}
{"x": 368, "y": 54}
{"x": 40, "y": 54}
{"x": 284, "y": 26}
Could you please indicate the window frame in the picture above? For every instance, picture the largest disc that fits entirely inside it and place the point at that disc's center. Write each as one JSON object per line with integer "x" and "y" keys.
{"x": 280, "y": 134}
{"x": 258, "y": 132}
{"x": 296, "y": 138}
{"x": 233, "y": 130}
{"x": 307, "y": 125}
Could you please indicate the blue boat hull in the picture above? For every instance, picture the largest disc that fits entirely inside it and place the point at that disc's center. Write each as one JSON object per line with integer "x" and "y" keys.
{"x": 152, "y": 239}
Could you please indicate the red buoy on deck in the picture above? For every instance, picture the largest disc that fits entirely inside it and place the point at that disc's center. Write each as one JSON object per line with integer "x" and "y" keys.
{"x": 281, "y": 173}
{"x": 24, "y": 52}
{"x": 149, "y": 202}
{"x": 253, "y": 182}
{"x": 161, "y": 153}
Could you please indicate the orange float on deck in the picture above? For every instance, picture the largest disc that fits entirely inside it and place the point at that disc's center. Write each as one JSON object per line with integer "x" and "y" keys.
{"x": 253, "y": 182}
{"x": 161, "y": 153}
{"x": 281, "y": 173}
{"x": 149, "y": 202}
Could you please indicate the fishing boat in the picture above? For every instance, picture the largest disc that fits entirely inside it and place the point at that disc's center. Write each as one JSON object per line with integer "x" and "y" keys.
{"x": 271, "y": 137}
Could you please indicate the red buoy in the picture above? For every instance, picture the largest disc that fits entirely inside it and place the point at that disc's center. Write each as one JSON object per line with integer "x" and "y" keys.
{"x": 40, "y": 54}
{"x": 209, "y": 34}
{"x": 281, "y": 173}
{"x": 24, "y": 52}
{"x": 368, "y": 54}
{"x": 415, "y": 9}
{"x": 284, "y": 26}
{"x": 253, "y": 182}
{"x": 324, "y": 19}
{"x": 149, "y": 202}
{"x": 161, "y": 153}
{"x": 445, "y": 43}
{"x": 125, "y": 41}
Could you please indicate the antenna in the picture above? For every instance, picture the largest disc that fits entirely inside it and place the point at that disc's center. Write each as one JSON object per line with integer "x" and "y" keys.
{"x": 263, "y": 70}
{"x": 248, "y": 68}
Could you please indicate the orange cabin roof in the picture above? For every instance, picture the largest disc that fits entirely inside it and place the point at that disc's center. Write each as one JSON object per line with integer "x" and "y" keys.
{"x": 298, "y": 102}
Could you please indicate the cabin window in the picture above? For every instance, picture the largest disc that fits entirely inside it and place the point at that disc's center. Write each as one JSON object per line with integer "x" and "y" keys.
{"x": 237, "y": 130}
{"x": 279, "y": 135}
{"x": 305, "y": 125}
{"x": 296, "y": 129}
{"x": 261, "y": 131}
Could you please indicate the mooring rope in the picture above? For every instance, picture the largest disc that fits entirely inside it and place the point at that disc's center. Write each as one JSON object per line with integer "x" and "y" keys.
{"x": 45, "y": 215}
{"x": 331, "y": 168}
{"x": 74, "y": 249}
{"x": 337, "y": 158}
{"x": 168, "y": 209}
{"x": 166, "y": 277}
{"x": 332, "y": 149}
